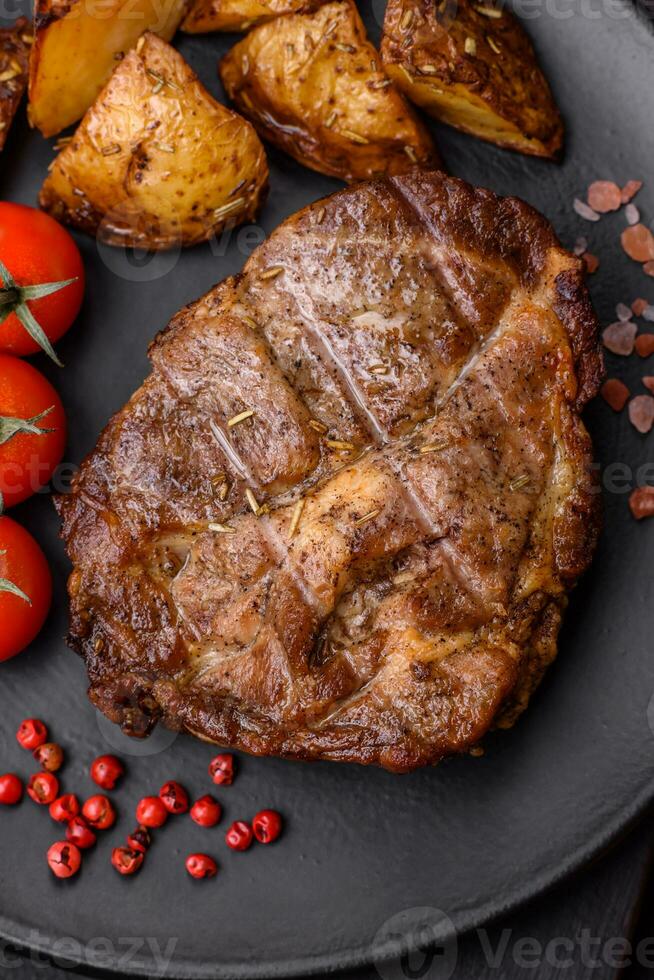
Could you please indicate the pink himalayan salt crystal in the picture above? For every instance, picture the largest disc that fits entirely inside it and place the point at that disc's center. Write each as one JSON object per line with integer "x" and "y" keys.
{"x": 584, "y": 211}
{"x": 641, "y": 412}
{"x": 580, "y": 246}
{"x": 622, "y": 312}
{"x": 630, "y": 190}
{"x": 619, "y": 337}
{"x": 591, "y": 262}
{"x": 604, "y": 195}
{"x": 648, "y": 381}
{"x": 645, "y": 344}
{"x": 632, "y": 214}
{"x": 638, "y": 243}
{"x": 615, "y": 393}
{"x": 641, "y": 502}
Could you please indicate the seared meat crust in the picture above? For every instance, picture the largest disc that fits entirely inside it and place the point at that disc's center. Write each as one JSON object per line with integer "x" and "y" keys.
{"x": 373, "y": 565}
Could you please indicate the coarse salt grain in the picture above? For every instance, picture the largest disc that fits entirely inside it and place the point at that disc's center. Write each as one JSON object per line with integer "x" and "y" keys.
{"x": 641, "y": 502}
{"x": 630, "y": 190}
{"x": 632, "y": 214}
{"x": 591, "y": 262}
{"x": 639, "y": 306}
{"x": 648, "y": 313}
{"x": 622, "y": 312}
{"x": 638, "y": 243}
{"x": 648, "y": 381}
{"x": 604, "y": 196}
{"x": 619, "y": 337}
{"x": 615, "y": 393}
{"x": 641, "y": 412}
{"x": 645, "y": 344}
{"x": 584, "y": 211}
{"x": 580, "y": 246}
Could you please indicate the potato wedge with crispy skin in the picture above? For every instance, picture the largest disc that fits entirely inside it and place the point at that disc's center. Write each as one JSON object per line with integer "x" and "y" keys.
{"x": 472, "y": 66}
{"x": 156, "y": 161}
{"x": 76, "y": 46}
{"x": 315, "y": 86}
{"x": 14, "y": 55}
{"x": 240, "y": 15}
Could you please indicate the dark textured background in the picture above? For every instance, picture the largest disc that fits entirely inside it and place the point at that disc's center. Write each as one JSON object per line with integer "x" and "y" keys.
{"x": 471, "y": 838}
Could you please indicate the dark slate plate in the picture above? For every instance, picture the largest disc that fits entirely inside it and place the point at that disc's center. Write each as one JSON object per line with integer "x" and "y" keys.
{"x": 368, "y": 858}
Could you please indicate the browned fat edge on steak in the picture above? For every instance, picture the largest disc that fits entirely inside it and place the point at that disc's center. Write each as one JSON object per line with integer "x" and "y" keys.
{"x": 341, "y": 517}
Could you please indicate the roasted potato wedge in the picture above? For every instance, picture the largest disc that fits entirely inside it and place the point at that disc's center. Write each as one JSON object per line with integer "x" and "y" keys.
{"x": 240, "y": 15}
{"x": 14, "y": 56}
{"x": 314, "y": 85}
{"x": 76, "y": 46}
{"x": 472, "y": 66}
{"x": 156, "y": 161}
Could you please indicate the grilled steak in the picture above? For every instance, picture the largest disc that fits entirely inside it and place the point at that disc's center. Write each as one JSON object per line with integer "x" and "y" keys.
{"x": 341, "y": 517}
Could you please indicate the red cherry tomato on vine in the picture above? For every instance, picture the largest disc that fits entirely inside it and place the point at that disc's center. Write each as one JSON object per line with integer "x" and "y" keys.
{"x": 32, "y": 429}
{"x": 35, "y": 250}
{"x": 25, "y": 588}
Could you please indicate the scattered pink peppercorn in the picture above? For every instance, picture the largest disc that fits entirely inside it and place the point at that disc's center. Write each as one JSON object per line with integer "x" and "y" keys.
{"x": 239, "y": 836}
{"x": 151, "y": 812}
{"x": 221, "y": 769}
{"x": 106, "y": 770}
{"x": 267, "y": 826}
{"x": 79, "y": 833}
{"x": 64, "y": 808}
{"x": 64, "y": 859}
{"x": 174, "y": 797}
{"x": 49, "y": 756}
{"x": 126, "y": 861}
{"x": 201, "y": 866}
{"x": 43, "y": 787}
{"x": 11, "y": 789}
{"x": 206, "y": 811}
{"x": 98, "y": 811}
{"x": 139, "y": 839}
{"x": 31, "y": 733}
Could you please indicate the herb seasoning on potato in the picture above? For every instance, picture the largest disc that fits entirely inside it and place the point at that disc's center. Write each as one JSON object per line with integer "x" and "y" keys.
{"x": 157, "y": 161}
{"x": 473, "y": 67}
{"x": 314, "y": 85}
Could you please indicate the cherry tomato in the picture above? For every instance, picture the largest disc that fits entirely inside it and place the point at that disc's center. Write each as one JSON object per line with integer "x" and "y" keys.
{"x": 36, "y": 250}
{"x": 32, "y": 429}
{"x": 22, "y": 567}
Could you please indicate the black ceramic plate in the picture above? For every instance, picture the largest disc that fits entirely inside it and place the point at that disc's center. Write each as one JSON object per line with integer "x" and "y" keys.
{"x": 365, "y": 853}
